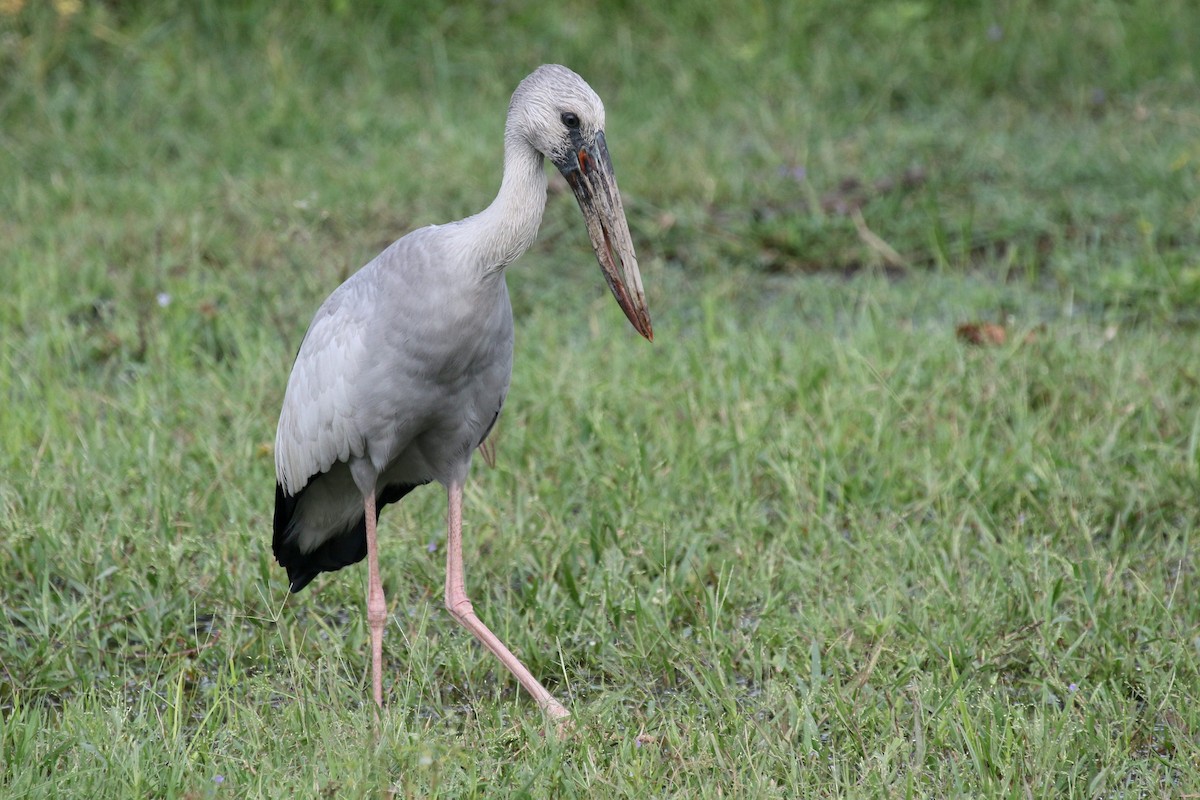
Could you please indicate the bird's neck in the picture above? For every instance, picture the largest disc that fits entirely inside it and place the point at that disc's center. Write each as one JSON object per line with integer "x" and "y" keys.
{"x": 504, "y": 230}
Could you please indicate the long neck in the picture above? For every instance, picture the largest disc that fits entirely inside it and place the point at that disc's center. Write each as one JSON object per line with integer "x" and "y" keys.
{"x": 500, "y": 233}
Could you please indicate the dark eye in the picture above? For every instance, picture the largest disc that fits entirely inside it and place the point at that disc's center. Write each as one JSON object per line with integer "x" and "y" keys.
{"x": 570, "y": 120}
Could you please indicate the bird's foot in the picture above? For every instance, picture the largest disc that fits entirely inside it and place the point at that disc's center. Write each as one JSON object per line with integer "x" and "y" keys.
{"x": 555, "y": 712}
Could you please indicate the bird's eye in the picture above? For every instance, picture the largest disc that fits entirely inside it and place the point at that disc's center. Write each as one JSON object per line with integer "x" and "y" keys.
{"x": 570, "y": 120}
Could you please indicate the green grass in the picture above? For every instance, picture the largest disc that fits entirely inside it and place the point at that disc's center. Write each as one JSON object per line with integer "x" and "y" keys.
{"x": 809, "y": 543}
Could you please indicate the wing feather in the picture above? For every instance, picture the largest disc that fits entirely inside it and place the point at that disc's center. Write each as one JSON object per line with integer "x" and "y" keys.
{"x": 317, "y": 425}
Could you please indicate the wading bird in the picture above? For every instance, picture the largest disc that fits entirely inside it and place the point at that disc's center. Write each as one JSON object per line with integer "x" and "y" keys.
{"x": 406, "y": 365}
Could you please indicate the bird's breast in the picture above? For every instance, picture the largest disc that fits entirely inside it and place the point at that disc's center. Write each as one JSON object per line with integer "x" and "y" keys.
{"x": 440, "y": 386}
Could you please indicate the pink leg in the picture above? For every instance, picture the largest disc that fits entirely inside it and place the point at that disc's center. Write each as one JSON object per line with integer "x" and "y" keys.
{"x": 376, "y": 605}
{"x": 460, "y": 608}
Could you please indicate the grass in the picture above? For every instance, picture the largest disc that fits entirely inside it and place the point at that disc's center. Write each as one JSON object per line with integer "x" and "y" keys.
{"x": 809, "y": 543}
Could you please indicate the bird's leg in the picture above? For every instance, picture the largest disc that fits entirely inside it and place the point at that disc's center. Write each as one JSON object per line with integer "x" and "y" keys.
{"x": 376, "y": 605}
{"x": 460, "y": 608}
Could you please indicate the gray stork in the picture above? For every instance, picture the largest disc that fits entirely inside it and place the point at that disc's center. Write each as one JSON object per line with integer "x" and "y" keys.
{"x": 406, "y": 365}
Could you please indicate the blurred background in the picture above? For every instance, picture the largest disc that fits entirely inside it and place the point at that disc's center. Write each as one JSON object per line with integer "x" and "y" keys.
{"x": 1056, "y": 140}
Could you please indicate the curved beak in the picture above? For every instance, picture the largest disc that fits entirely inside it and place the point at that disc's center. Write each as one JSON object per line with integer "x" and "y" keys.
{"x": 588, "y": 169}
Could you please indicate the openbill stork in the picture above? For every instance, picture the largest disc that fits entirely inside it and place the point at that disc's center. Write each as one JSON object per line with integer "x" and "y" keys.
{"x": 406, "y": 365}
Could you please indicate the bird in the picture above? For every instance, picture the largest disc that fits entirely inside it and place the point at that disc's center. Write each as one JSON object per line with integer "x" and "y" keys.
{"x": 406, "y": 365}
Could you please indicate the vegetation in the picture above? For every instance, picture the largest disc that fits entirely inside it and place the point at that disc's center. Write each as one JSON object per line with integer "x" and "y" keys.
{"x": 899, "y": 504}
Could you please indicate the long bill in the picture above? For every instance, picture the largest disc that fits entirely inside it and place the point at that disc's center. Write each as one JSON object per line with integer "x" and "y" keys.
{"x": 589, "y": 171}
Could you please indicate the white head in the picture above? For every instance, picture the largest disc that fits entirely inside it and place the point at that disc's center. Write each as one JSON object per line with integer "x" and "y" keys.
{"x": 551, "y": 107}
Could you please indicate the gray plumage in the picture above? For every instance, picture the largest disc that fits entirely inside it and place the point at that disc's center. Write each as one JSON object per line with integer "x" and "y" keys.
{"x": 400, "y": 376}
{"x": 406, "y": 365}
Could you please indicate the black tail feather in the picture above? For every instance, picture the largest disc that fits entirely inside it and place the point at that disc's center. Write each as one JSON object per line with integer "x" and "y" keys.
{"x": 341, "y": 550}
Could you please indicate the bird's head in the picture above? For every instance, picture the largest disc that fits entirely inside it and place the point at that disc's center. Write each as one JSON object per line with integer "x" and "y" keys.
{"x": 556, "y": 112}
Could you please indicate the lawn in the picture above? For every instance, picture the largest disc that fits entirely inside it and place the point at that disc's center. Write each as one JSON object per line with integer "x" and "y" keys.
{"x": 899, "y": 503}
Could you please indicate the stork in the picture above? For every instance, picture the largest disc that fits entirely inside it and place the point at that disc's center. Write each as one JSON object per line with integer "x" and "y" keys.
{"x": 406, "y": 365}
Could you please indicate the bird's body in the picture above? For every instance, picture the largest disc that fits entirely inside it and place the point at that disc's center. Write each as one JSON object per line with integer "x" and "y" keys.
{"x": 406, "y": 365}
{"x": 377, "y": 331}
